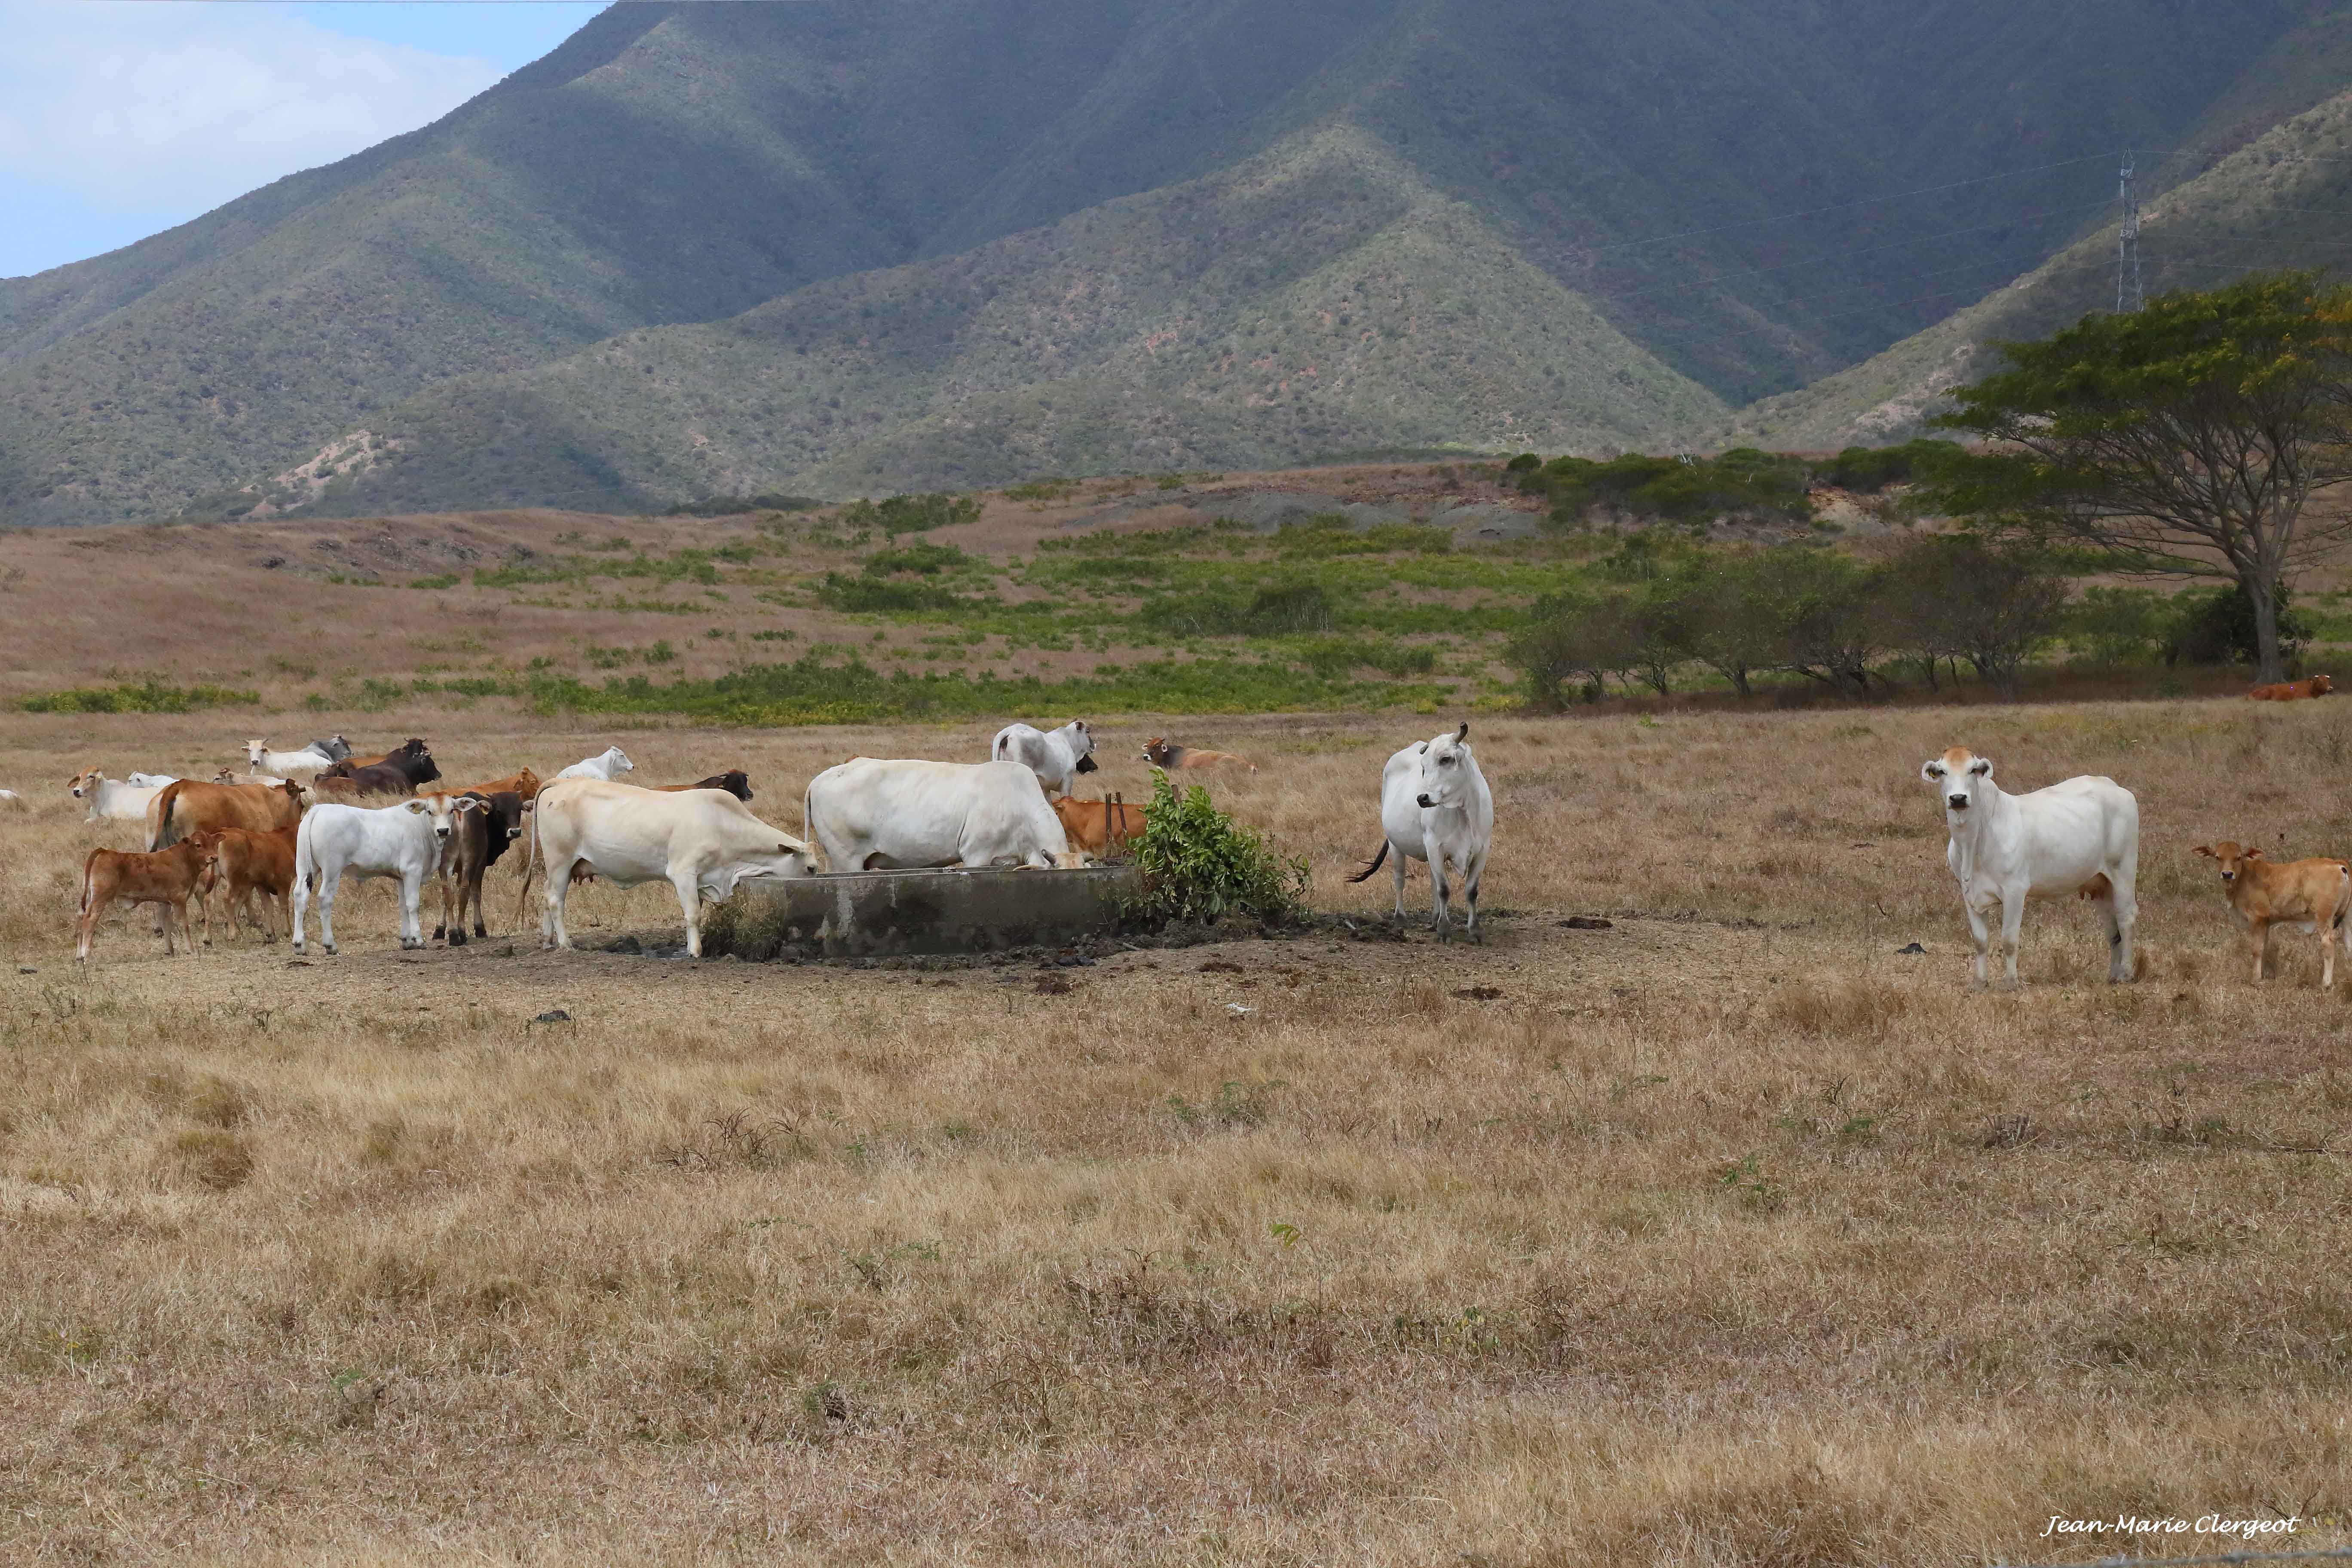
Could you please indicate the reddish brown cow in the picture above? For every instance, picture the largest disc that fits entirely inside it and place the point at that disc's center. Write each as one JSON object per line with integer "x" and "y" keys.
{"x": 1093, "y": 825}
{"x": 187, "y": 806}
{"x": 2292, "y": 690}
{"x": 249, "y": 863}
{"x": 524, "y": 784}
{"x": 168, "y": 877}
{"x": 2314, "y": 895}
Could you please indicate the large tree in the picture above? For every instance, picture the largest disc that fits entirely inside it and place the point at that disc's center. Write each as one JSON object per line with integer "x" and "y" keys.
{"x": 2194, "y": 438}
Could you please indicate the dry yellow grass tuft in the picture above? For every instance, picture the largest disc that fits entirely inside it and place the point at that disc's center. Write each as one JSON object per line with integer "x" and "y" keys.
{"x": 1729, "y": 1234}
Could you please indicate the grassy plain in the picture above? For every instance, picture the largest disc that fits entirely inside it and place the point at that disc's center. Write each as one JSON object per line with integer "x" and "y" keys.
{"x": 1729, "y": 1234}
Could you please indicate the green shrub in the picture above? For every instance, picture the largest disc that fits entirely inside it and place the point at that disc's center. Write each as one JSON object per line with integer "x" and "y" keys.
{"x": 1197, "y": 864}
{"x": 910, "y": 515}
{"x": 138, "y": 697}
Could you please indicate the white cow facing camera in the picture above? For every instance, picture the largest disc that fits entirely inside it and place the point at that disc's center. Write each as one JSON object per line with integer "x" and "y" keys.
{"x": 1435, "y": 806}
{"x": 2079, "y": 837}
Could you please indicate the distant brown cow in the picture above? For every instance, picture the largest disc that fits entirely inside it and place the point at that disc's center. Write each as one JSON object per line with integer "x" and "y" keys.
{"x": 397, "y": 773}
{"x": 341, "y": 791}
{"x": 1160, "y": 754}
{"x": 524, "y": 784}
{"x": 1093, "y": 825}
{"x": 734, "y": 781}
{"x": 168, "y": 877}
{"x": 248, "y": 863}
{"x": 187, "y": 806}
{"x": 2290, "y": 690}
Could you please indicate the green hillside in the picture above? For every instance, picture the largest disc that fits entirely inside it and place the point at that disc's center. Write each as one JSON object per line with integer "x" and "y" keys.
{"x": 2284, "y": 199}
{"x": 1542, "y": 204}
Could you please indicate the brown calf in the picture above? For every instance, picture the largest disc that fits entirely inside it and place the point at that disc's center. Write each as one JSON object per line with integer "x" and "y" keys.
{"x": 2312, "y": 895}
{"x": 168, "y": 877}
{"x": 1160, "y": 754}
{"x": 1093, "y": 825}
{"x": 2289, "y": 690}
{"x": 250, "y": 863}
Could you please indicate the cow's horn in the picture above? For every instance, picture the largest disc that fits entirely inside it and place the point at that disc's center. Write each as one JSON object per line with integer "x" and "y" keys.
{"x": 1462, "y": 734}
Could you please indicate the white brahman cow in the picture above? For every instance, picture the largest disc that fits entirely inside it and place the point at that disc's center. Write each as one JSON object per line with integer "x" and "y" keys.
{"x": 306, "y": 763}
{"x": 1056, "y": 756}
{"x": 702, "y": 842}
{"x": 601, "y": 767}
{"x": 1435, "y": 806}
{"x": 403, "y": 841}
{"x": 113, "y": 800}
{"x": 2079, "y": 837}
{"x": 150, "y": 781}
{"x": 872, "y": 814}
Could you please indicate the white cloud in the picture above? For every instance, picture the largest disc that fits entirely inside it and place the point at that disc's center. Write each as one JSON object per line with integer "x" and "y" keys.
{"x": 186, "y": 106}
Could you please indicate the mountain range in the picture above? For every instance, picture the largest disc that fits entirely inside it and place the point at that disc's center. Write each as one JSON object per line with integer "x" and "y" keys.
{"x": 842, "y": 247}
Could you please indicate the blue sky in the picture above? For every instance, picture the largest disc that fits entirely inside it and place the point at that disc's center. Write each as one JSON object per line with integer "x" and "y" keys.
{"x": 121, "y": 118}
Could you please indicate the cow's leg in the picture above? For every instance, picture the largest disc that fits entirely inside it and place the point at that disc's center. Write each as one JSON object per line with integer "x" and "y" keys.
{"x": 2258, "y": 933}
{"x": 552, "y": 929}
{"x": 1980, "y": 932}
{"x": 327, "y": 887}
{"x": 1470, "y": 876}
{"x": 690, "y": 904}
{"x": 1397, "y": 871}
{"x": 86, "y": 930}
{"x": 269, "y": 926}
{"x": 411, "y": 909}
{"x": 1443, "y": 891}
{"x": 188, "y": 926}
{"x": 473, "y": 890}
{"x": 2012, "y": 919}
{"x": 300, "y": 914}
{"x": 2326, "y": 954}
{"x": 2123, "y": 915}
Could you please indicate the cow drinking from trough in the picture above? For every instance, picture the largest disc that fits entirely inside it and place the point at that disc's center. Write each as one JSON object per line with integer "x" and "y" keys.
{"x": 2078, "y": 837}
{"x": 1435, "y": 806}
{"x": 877, "y": 814}
{"x": 702, "y": 842}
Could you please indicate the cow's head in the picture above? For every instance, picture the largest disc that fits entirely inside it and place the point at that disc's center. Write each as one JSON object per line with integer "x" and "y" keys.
{"x": 1445, "y": 765}
{"x": 1155, "y": 751}
{"x": 82, "y": 783}
{"x": 298, "y": 793}
{"x": 253, "y": 749}
{"x": 527, "y": 785}
{"x": 790, "y": 858}
{"x": 1959, "y": 775}
{"x": 621, "y": 763}
{"x": 444, "y": 810}
{"x": 2321, "y": 684}
{"x": 227, "y": 776}
{"x": 2230, "y": 857}
{"x": 1082, "y": 744}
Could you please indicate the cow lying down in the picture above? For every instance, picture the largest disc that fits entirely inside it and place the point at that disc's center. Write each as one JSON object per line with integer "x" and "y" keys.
{"x": 702, "y": 842}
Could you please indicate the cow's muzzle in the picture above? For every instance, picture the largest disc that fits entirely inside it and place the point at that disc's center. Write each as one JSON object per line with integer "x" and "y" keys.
{"x": 1424, "y": 802}
{"x": 1957, "y": 802}
{"x": 1086, "y": 765}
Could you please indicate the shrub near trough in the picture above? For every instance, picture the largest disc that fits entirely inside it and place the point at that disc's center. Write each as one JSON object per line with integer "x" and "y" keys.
{"x": 1198, "y": 864}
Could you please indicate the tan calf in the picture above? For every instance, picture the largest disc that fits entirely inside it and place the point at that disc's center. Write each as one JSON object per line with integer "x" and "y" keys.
{"x": 168, "y": 877}
{"x": 250, "y": 863}
{"x": 2310, "y": 895}
{"x": 1175, "y": 759}
{"x": 1093, "y": 825}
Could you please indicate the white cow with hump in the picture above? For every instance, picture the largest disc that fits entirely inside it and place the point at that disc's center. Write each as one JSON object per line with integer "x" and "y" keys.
{"x": 604, "y": 766}
{"x": 403, "y": 842}
{"x": 702, "y": 842}
{"x": 1435, "y": 806}
{"x": 2079, "y": 837}
{"x": 114, "y": 800}
{"x": 1056, "y": 756}
{"x": 872, "y": 814}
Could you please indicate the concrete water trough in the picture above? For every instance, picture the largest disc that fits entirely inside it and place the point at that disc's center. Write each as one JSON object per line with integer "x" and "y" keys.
{"x": 857, "y": 914}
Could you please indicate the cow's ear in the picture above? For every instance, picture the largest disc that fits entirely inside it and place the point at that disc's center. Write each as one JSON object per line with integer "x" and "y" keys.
{"x": 1981, "y": 767}
{"x": 417, "y": 805}
{"x": 2250, "y": 854}
{"x": 2204, "y": 849}
{"x": 1932, "y": 770}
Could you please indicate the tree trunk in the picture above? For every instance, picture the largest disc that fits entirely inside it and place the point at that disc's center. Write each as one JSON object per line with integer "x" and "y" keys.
{"x": 2264, "y": 594}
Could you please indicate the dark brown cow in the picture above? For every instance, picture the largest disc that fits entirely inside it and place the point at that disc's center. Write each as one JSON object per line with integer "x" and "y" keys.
{"x": 399, "y": 773}
{"x": 168, "y": 877}
{"x": 734, "y": 781}
{"x": 476, "y": 839}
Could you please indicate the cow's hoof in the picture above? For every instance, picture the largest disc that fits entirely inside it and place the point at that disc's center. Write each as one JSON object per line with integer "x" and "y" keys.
{"x": 457, "y": 938}
{"x": 328, "y": 948}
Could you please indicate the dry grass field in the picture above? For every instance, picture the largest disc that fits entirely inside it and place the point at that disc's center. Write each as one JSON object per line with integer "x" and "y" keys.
{"x": 1729, "y": 1234}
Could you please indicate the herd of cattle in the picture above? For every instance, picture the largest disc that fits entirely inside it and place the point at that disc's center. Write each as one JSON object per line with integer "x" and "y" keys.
{"x": 288, "y": 830}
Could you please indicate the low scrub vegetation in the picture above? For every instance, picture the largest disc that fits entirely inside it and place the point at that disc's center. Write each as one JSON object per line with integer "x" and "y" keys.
{"x": 150, "y": 696}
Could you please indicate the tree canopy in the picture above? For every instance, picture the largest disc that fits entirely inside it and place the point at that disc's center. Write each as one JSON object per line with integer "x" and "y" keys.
{"x": 2193, "y": 438}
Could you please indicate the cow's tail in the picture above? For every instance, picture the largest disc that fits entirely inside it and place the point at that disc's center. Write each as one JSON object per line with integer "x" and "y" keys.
{"x": 163, "y": 835}
{"x": 1366, "y": 874}
{"x": 2343, "y": 895}
{"x": 89, "y": 880}
{"x": 530, "y": 865}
